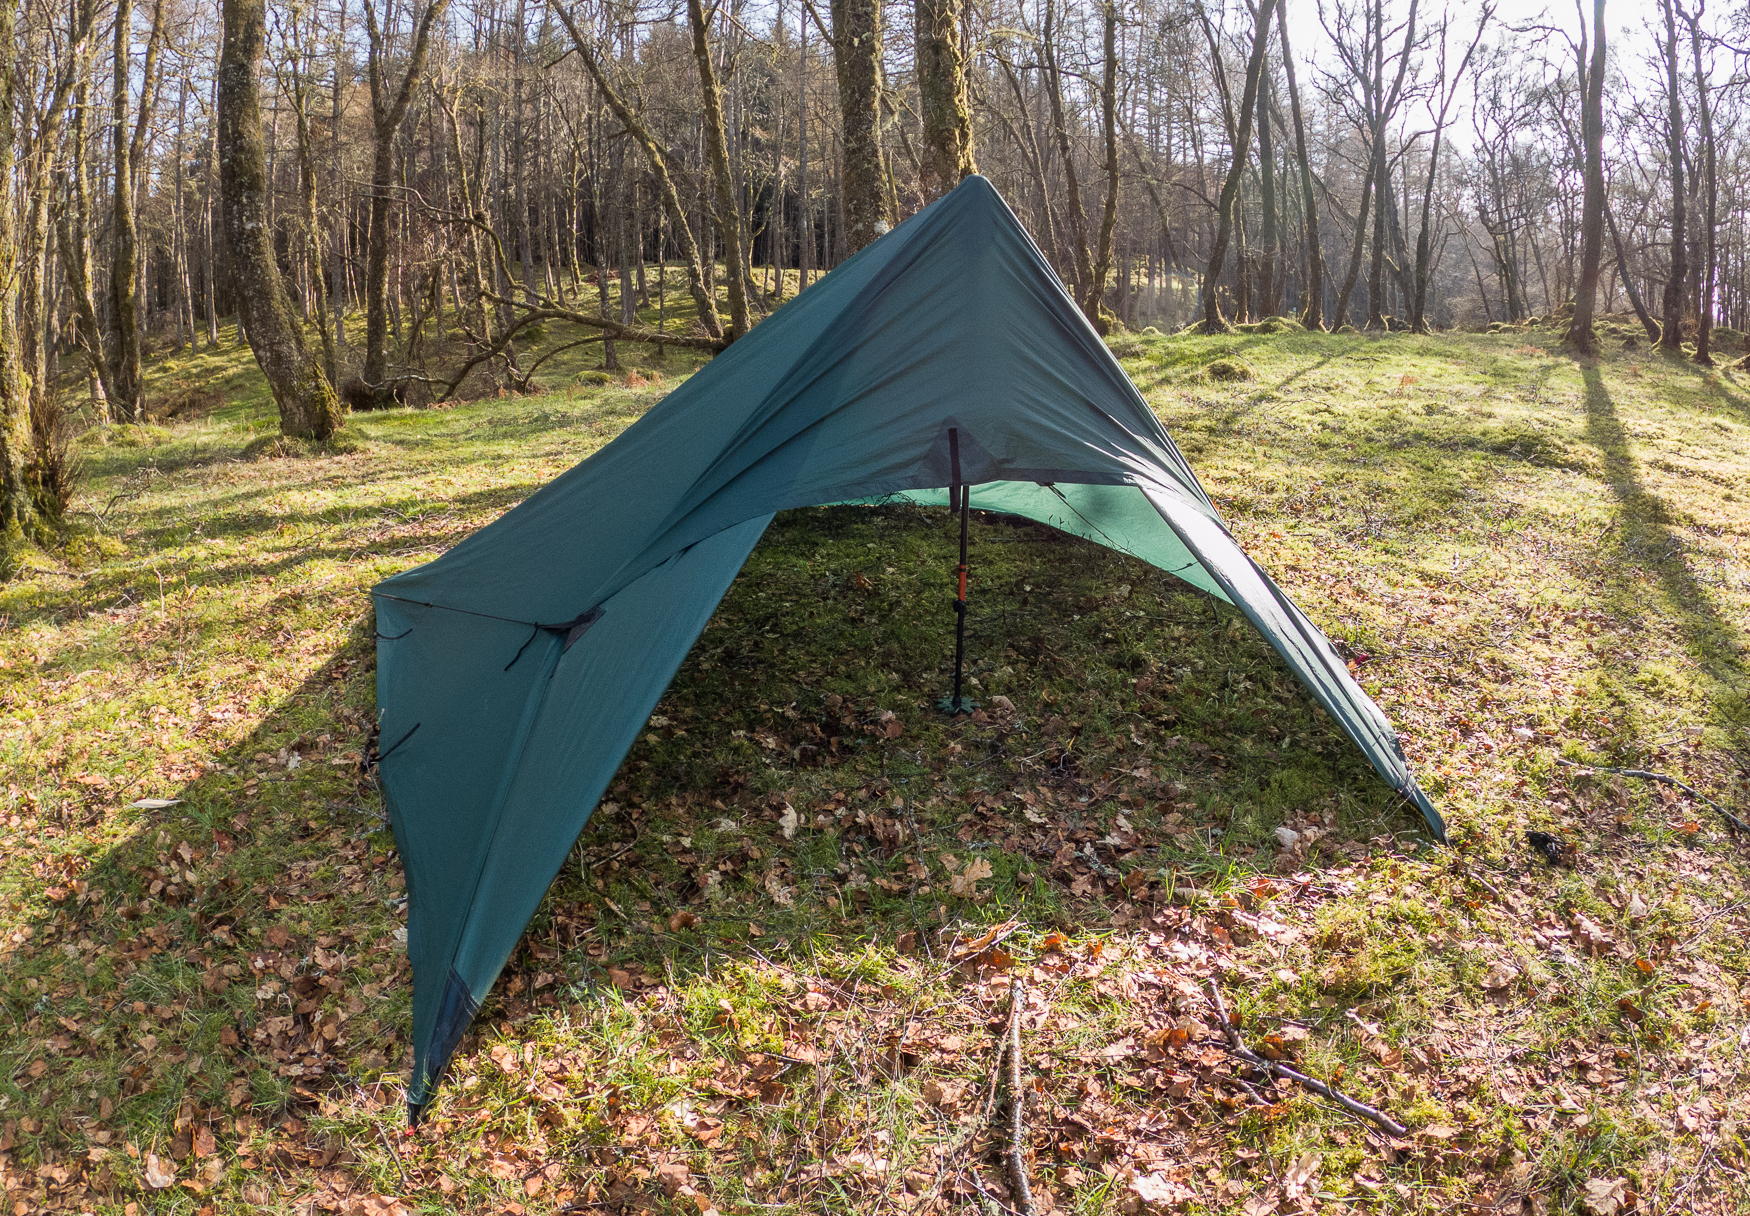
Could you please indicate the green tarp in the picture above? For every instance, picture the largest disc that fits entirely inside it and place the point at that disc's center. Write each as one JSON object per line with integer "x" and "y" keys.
{"x": 515, "y": 671}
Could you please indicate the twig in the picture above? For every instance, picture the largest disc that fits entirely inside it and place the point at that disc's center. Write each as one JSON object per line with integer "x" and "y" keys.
{"x": 1274, "y": 1069}
{"x": 388, "y": 1144}
{"x": 1737, "y": 825}
{"x": 1017, "y": 1160}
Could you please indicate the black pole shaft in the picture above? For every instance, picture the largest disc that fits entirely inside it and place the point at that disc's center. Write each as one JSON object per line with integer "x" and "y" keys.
{"x": 965, "y": 493}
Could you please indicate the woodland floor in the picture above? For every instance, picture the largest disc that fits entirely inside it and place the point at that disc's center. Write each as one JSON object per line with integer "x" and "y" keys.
{"x": 773, "y": 975}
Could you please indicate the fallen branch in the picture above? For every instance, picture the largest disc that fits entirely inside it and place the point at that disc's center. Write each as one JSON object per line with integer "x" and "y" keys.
{"x": 1273, "y": 1068}
{"x": 1736, "y": 824}
{"x": 1016, "y": 1157}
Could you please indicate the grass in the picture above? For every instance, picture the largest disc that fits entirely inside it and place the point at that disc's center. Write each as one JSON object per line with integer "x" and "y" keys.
{"x": 760, "y": 982}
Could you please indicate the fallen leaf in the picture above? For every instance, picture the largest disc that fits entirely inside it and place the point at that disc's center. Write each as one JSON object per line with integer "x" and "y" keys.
{"x": 672, "y": 1177}
{"x": 155, "y": 804}
{"x": 965, "y": 883}
{"x": 159, "y": 1173}
{"x": 1604, "y": 1196}
{"x": 1301, "y": 1177}
{"x": 787, "y": 822}
{"x": 1157, "y": 1192}
{"x": 1501, "y": 974}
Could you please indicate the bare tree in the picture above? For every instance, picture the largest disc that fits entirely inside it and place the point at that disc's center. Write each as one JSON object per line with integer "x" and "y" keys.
{"x": 722, "y": 179}
{"x": 307, "y": 404}
{"x": 388, "y": 110}
{"x": 1671, "y": 332}
{"x": 1092, "y": 305}
{"x": 1448, "y": 89}
{"x": 1580, "y": 336}
{"x": 1312, "y": 294}
{"x": 1704, "y": 308}
{"x": 18, "y": 513}
{"x": 1213, "y": 321}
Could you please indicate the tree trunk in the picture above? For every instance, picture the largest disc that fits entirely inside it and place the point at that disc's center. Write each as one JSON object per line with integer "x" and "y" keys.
{"x": 306, "y": 400}
{"x": 1425, "y": 233}
{"x": 1580, "y": 336}
{"x": 1356, "y": 250}
{"x": 18, "y": 514}
{"x": 73, "y": 237}
{"x": 1078, "y": 217}
{"x": 1092, "y": 306}
{"x": 315, "y": 298}
{"x": 124, "y": 308}
{"x": 658, "y": 159}
{"x": 1312, "y": 299}
{"x": 1269, "y": 238}
{"x": 387, "y": 111}
{"x": 717, "y": 148}
{"x": 856, "y": 56}
{"x": 1628, "y": 280}
{"x": 1671, "y": 335}
{"x": 1213, "y": 322}
{"x": 947, "y": 115}
{"x": 1704, "y": 302}
{"x": 336, "y": 285}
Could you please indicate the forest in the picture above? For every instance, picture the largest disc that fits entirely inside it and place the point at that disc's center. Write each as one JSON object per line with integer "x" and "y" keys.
{"x": 388, "y": 195}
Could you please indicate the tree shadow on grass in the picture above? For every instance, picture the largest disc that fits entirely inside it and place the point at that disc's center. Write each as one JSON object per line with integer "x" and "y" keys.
{"x": 1643, "y": 540}
{"x": 193, "y": 986}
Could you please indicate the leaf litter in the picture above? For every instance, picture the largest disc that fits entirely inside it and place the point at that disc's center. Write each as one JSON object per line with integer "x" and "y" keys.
{"x": 776, "y": 970}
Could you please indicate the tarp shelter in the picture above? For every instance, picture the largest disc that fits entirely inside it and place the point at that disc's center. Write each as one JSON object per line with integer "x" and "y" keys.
{"x": 516, "y": 670}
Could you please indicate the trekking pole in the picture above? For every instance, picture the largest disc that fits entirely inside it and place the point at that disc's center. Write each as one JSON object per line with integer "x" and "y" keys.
{"x": 959, "y": 495}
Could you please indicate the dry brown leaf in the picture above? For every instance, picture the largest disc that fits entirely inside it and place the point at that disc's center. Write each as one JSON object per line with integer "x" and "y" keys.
{"x": 1301, "y": 1176}
{"x": 158, "y": 1173}
{"x": 1156, "y": 1193}
{"x": 965, "y": 884}
{"x": 1605, "y": 1196}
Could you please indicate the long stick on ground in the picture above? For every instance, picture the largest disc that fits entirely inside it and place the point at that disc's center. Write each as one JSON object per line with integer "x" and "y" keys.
{"x": 1272, "y": 1068}
{"x": 1016, "y": 1156}
{"x": 1735, "y": 823}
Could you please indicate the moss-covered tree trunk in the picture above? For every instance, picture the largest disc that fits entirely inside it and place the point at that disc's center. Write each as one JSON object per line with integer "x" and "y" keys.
{"x": 1092, "y": 306}
{"x": 856, "y": 57}
{"x": 717, "y": 147}
{"x": 17, "y": 506}
{"x": 947, "y": 114}
{"x": 124, "y": 303}
{"x": 307, "y": 404}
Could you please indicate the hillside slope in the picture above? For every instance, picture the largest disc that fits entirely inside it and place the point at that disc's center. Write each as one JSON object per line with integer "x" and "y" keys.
{"x": 773, "y": 975}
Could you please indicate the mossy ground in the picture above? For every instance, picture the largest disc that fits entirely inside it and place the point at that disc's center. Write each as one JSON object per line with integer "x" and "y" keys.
{"x": 759, "y": 983}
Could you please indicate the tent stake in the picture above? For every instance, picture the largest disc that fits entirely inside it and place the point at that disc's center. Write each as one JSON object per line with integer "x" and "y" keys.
{"x": 959, "y": 495}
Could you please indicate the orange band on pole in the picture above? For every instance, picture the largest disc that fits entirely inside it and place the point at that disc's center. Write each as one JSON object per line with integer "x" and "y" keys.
{"x": 963, "y": 583}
